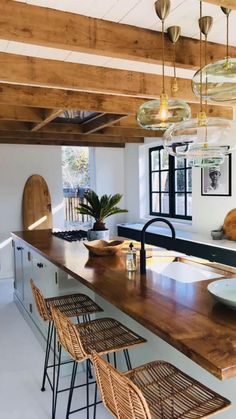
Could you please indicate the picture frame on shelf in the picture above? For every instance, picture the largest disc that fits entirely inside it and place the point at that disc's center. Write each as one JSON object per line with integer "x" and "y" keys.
{"x": 216, "y": 181}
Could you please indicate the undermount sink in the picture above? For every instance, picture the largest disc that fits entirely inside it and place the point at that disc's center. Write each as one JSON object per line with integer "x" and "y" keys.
{"x": 183, "y": 272}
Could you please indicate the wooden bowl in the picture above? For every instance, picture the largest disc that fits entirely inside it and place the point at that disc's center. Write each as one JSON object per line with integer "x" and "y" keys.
{"x": 104, "y": 248}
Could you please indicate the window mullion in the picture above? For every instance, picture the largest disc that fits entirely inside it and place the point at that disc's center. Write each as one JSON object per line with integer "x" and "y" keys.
{"x": 172, "y": 185}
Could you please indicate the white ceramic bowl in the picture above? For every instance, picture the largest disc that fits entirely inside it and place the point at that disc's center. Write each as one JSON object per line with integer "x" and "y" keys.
{"x": 224, "y": 291}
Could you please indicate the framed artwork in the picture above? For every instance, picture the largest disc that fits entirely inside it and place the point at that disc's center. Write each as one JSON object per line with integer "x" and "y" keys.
{"x": 216, "y": 181}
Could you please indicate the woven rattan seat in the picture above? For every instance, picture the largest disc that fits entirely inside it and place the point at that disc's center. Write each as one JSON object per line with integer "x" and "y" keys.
{"x": 73, "y": 305}
{"x": 79, "y": 340}
{"x": 103, "y": 335}
{"x": 155, "y": 390}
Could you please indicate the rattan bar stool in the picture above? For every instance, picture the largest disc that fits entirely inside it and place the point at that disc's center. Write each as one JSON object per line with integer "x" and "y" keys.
{"x": 74, "y": 305}
{"x": 104, "y": 335}
{"x": 155, "y": 390}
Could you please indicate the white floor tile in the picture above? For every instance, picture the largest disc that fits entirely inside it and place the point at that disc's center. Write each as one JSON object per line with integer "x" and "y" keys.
{"x": 21, "y": 360}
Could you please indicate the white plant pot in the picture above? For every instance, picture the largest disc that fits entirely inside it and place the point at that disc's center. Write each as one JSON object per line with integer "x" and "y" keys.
{"x": 98, "y": 235}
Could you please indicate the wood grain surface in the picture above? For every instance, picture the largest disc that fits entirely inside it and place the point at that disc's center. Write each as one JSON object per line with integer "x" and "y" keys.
{"x": 229, "y": 226}
{"x": 36, "y": 205}
{"x": 184, "y": 315}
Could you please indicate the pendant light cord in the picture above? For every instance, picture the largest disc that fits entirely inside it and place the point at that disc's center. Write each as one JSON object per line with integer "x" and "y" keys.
{"x": 201, "y": 102}
{"x": 227, "y": 36}
{"x": 163, "y": 56}
{"x": 206, "y": 73}
{"x": 174, "y": 56}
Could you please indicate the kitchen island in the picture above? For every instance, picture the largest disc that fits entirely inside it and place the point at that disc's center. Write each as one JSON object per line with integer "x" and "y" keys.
{"x": 182, "y": 315}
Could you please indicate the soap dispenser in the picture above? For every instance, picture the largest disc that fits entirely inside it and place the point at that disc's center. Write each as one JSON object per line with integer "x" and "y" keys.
{"x": 131, "y": 262}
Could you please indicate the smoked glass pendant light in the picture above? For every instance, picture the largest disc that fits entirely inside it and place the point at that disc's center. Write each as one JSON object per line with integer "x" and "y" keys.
{"x": 203, "y": 141}
{"x": 161, "y": 113}
{"x": 219, "y": 78}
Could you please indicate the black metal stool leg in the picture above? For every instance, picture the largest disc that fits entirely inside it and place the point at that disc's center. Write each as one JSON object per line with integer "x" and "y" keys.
{"x": 54, "y": 370}
{"x": 127, "y": 358}
{"x": 114, "y": 356}
{"x": 47, "y": 353}
{"x": 95, "y": 401}
{"x": 87, "y": 387}
{"x": 72, "y": 384}
{"x": 57, "y": 384}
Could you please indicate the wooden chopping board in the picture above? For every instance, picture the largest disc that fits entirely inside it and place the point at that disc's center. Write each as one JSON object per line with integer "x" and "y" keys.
{"x": 230, "y": 225}
{"x": 36, "y": 205}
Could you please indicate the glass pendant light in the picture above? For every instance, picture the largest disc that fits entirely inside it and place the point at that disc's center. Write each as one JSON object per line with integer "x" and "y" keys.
{"x": 161, "y": 113}
{"x": 203, "y": 141}
{"x": 219, "y": 78}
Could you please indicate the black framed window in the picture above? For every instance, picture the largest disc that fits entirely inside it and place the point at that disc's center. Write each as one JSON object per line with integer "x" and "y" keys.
{"x": 170, "y": 185}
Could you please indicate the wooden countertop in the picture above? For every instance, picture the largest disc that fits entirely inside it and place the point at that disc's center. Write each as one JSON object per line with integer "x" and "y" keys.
{"x": 184, "y": 315}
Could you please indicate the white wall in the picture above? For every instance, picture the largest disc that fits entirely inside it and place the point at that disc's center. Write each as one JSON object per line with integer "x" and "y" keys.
{"x": 108, "y": 177}
{"x": 17, "y": 163}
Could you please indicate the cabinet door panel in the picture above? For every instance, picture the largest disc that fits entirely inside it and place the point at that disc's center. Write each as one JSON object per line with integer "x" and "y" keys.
{"x": 18, "y": 280}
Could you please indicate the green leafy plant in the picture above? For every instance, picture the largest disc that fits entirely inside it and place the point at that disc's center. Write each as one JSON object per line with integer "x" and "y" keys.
{"x": 100, "y": 208}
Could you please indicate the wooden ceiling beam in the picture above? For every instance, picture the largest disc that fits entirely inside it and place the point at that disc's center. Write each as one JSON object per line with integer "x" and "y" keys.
{"x": 99, "y": 122}
{"x": 59, "y": 143}
{"x": 71, "y": 137}
{"x": 130, "y": 132}
{"x": 94, "y": 102}
{"x": 20, "y": 113}
{"x": 69, "y": 31}
{"x": 14, "y": 126}
{"x": 212, "y": 110}
{"x": 20, "y": 69}
{"x": 230, "y": 4}
{"x": 49, "y": 116}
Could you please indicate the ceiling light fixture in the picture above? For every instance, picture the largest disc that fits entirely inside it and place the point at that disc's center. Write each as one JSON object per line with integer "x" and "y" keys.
{"x": 161, "y": 113}
{"x": 219, "y": 78}
{"x": 203, "y": 141}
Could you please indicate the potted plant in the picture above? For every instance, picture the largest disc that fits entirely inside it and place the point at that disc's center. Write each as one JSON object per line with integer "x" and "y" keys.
{"x": 100, "y": 209}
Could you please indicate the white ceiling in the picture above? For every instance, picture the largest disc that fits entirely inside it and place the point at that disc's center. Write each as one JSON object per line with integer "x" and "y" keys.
{"x": 139, "y": 13}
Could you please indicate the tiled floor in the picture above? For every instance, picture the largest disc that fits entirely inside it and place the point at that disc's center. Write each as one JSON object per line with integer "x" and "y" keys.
{"x": 21, "y": 360}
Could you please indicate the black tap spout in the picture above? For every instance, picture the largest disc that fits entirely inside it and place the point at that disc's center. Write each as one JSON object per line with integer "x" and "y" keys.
{"x": 142, "y": 250}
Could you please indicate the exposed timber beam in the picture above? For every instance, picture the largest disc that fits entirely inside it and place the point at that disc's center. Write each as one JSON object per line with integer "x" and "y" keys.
{"x": 14, "y": 126}
{"x": 96, "y": 138}
{"x": 230, "y": 4}
{"x": 20, "y": 113}
{"x": 130, "y": 132}
{"x": 212, "y": 110}
{"x": 65, "y": 129}
{"x": 49, "y": 116}
{"x": 20, "y": 69}
{"x": 68, "y": 99}
{"x": 58, "y": 143}
{"x": 100, "y": 122}
{"x": 57, "y": 29}
{"x": 94, "y": 102}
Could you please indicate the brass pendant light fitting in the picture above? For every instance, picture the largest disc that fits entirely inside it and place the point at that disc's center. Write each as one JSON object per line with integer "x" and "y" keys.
{"x": 173, "y": 33}
{"x": 161, "y": 113}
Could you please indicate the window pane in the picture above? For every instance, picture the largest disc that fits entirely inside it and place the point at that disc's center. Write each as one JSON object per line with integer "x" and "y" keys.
{"x": 164, "y": 160}
{"x": 180, "y": 180}
{"x": 165, "y": 203}
{"x": 189, "y": 204}
{"x": 155, "y": 202}
{"x": 165, "y": 181}
{"x": 179, "y": 162}
{"x": 155, "y": 159}
{"x": 189, "y": 180}
{"x": 155, "y": 182}
{"x": 180, "y": 204}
